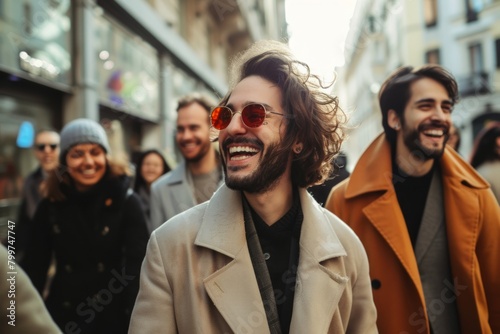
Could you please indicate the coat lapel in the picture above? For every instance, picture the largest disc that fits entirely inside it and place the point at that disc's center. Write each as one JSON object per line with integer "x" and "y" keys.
{"x": 233, "y": 289}
{"x": 433, "y": 218}
{"x": 388, "y": 219}
{"x": 373, "y": 174}
{"x": 462, "y": 220}
{"x": 179, "y": 187}
{"x": 224, "y": 232}
{"x": 320, "y": 278}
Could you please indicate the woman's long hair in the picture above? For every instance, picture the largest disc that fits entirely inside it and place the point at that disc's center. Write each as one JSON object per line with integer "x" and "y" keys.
{"x": 139, "y": 179}
{"x": 485, "y": 146}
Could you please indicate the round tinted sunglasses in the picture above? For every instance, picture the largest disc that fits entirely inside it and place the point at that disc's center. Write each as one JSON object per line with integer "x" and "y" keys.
{"x": 252, "y": 115}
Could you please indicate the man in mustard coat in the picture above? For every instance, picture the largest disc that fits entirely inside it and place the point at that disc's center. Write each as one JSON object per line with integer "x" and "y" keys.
{"x": 261, "y": 256}
{"x": 428, "y": 221}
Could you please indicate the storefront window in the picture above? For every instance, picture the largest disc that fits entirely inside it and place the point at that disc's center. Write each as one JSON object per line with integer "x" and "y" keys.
{"x": 35, "y": 38}
{"x": 127, "y": 70}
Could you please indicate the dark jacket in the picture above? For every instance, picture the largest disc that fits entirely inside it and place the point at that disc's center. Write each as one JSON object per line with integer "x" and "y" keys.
{"x": 99, "y": 240}
{"x": 30, "y": 199}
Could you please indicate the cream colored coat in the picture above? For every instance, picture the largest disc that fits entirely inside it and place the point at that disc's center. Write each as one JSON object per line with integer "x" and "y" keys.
{"x": 197, "y": 276}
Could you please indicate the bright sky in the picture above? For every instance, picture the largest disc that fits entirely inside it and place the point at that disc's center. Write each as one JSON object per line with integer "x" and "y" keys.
{"x": 318, "y": 29}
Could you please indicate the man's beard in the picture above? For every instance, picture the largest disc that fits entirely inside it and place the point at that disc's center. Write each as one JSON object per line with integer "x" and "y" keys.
{"x": 272, "y": 165}
{"x": 412, "y": 141}
{"x": 201, "y": 154}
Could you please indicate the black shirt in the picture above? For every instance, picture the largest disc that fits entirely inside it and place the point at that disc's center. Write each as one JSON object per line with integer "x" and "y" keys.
{"x": 412, "y": 195}
{"x": 280, "y": 245}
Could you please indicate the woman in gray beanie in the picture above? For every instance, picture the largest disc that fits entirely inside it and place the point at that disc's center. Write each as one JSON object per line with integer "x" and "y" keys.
{"x": 95, "y": 228}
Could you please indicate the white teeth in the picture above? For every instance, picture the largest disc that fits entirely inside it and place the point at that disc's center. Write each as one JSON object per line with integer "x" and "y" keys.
{"x": 240, "y": 157}
{"x": 434, "y": 132}
{"x": 236, "y": 149}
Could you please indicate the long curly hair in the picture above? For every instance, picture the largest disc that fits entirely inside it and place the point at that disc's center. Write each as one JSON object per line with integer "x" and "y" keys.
{"x": 313, "y": 116}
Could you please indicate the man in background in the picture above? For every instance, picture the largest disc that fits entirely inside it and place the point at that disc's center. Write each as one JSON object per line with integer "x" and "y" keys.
{"x": 46, "y": 150}
{"x": 200, "y": 173}
{"x": 430, "y": 224}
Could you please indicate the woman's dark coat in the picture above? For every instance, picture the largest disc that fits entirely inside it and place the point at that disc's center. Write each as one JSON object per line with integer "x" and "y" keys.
{"x": 98, "y": 239}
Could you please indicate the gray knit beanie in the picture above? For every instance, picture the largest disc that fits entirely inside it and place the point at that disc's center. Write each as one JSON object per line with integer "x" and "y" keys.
{"x": 82, "y": 131}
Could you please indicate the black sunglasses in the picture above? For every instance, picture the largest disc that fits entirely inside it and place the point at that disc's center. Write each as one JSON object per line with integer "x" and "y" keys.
{"x": 41, "y": 147}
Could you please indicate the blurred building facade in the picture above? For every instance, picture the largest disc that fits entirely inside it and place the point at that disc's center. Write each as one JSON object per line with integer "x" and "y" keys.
{"x": 461, "y": 35}
{"x": 121, "y": 60}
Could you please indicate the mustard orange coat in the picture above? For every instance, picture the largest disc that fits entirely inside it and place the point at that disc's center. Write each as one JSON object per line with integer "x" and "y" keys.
{"x": 368, "y": 203}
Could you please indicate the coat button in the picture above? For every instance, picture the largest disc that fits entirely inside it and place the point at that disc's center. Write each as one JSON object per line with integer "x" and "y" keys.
{"x": 68, "y": 268}
{"x": 66, "y": 304}
{"x": 267, "y": 256}
{"x": 105, "y": 230}
{"x": 376, "y": 284}
{"x": 100, "y": 267}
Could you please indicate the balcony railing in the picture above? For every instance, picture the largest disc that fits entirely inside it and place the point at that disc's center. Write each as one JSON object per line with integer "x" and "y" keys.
{"x": 474, "y": 84}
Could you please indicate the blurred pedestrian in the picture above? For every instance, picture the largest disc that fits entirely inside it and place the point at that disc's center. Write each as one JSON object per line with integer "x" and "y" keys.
{"x": 196, "y": 178}
{"x": 261, "y": 256}
{"x": 95, "y": 227}
{"x": 454, "y": 138}
{"x": 46, "y": 151}
{"x": 486, "y": 156}
{"x": 429, "y": 223}
{"x": 19, "y": 300}
{"x": 320, "y": 192}
{"x": 22, "y": 304}
{"x": 150, "y": 166}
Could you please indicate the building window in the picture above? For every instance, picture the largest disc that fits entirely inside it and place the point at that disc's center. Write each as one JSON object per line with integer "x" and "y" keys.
{"x": 430, "y": 12}
{"x": 476, "y": 58}
{"x": 432, "y": 56}
{"x": 477, "y": 82}
{"x": 497, "y": 48}
{"x": 474, "y": 7}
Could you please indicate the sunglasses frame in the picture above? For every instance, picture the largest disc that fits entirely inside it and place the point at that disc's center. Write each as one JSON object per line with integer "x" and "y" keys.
{"x": 266, "y": 112}
{"x": 41, "y": 147}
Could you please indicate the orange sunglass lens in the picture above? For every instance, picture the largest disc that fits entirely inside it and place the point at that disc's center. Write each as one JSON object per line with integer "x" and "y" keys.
{"x": 221, "y": 116}
{"x": 253, "y": 115}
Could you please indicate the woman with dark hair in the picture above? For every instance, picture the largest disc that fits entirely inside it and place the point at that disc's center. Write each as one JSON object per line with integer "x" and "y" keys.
{"x": 94, "y": 227}
{"x": 485, "y": 156}
{"x": 150, "y": 166}
{"x": 454, "y": 138}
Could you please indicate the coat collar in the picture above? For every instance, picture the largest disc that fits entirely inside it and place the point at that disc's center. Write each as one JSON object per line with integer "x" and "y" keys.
{"x": 376, "y": 162}
{"x": 179, "y": 174}
{"x": 222, "y": 230}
